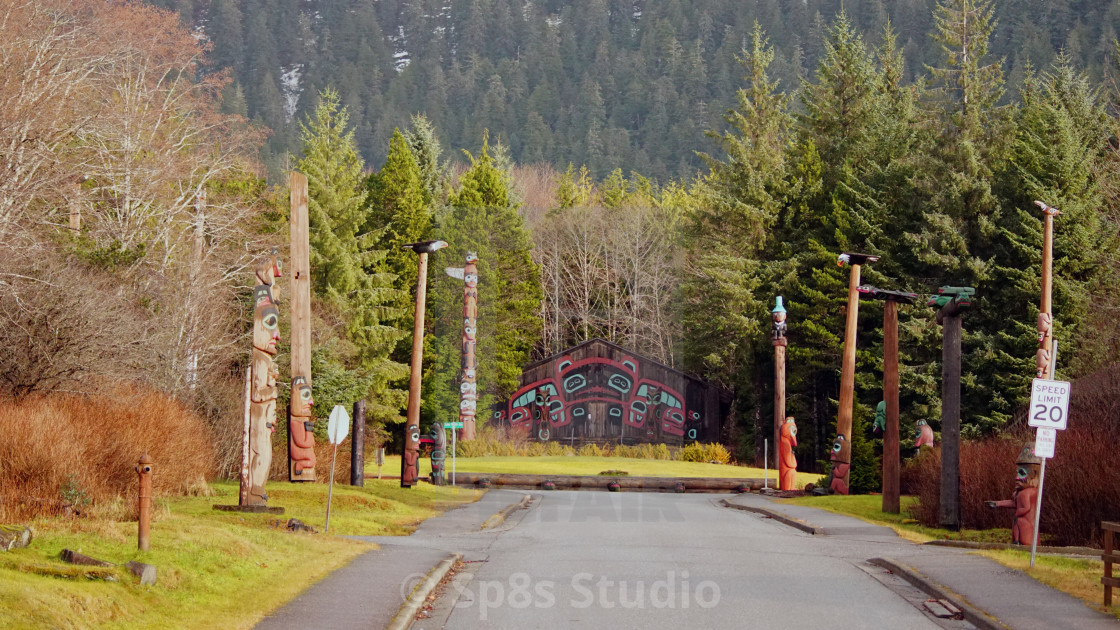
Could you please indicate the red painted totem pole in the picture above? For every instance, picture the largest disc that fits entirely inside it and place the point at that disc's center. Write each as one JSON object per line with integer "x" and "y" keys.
{"x": 263, "y": 392}
{"x": 1025, "y": 497}
{"x": 787, "y": 461}
{"x": 301, "y": 440}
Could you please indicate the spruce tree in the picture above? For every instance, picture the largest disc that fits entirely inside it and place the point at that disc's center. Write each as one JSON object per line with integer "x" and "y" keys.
{"x": 347, "y": 272}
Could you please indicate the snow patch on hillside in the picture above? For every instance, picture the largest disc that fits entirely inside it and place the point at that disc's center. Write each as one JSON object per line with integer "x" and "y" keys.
{"x": 290, "y": 89}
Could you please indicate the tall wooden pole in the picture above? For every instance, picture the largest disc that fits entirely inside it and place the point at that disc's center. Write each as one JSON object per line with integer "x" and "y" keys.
{"x": 412, "y": 423}
{"x": 848, "y": 365}
{"x": 468, "y": 385}
{"x": 890, "y": 395}
{"x": 243, "y": 494}
{"x": 301, "y": 278}
{"x": 1046, "y": 314}
{"x": 779, "y": 341}
{"x": 358, "y": 446}
{"x": 949, "y": 514}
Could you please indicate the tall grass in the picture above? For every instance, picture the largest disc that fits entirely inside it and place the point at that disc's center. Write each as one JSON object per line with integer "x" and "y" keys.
{"x": 64, "y": 453}
{"x": 1082, "y": 485}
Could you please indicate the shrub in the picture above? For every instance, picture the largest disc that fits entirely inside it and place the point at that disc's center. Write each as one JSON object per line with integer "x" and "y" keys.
{"x": 591, "y": 450}
{"x": 69, "y": 449}
{"x": 623, "y": 450}
{"x": 534, "y": 449}
{"x": 697, "y": 452}
{"x": 553, "y": 449}
{"x": 662, "y": 451}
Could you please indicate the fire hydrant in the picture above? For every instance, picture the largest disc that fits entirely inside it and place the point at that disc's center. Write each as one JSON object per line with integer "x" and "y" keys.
{"x": 144, "y": 469}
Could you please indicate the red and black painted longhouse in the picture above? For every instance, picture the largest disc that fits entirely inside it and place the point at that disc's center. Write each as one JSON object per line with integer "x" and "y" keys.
{"x": 599, "y": 392}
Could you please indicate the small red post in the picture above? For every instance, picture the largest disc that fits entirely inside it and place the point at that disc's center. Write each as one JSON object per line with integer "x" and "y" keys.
{"x": 144, "y": 469}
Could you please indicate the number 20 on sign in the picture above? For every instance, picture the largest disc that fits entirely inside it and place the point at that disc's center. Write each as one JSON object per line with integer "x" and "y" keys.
{"x": 1049, "y": 404}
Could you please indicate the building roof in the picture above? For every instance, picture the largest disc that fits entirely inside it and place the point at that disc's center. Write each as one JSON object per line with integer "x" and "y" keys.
{"x": 615, "y": 346}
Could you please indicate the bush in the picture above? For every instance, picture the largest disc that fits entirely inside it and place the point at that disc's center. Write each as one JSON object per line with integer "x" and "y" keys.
{"x": 65, "y": 451}
{"x": 662, "y": 451}
{"x": 590, "y": 450}
{"x": 1082, "y": 486}
{"x": 697, "y": 452}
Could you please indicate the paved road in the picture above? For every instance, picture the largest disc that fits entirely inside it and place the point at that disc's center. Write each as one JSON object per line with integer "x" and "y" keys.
{"x": 647, "y": 560}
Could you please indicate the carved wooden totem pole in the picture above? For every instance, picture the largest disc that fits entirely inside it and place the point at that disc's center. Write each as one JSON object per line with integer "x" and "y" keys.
{"x": 1025, "y": 497}
{"x": 1046, "y": 314}
{"x": 848, "y": 368}
{"x": 263, "y": 392}
{"x": 410, "y": 458}
{"x": 468, "y": 383}
{"x": 787, "y": 461}
{"x": 268, "y": 272}
{"x": 439, "y": 454}
{"x": 301, "y": 440}
{"x": 952, "y": 302}
{"x": 841, "y": 465}
{"x": 779, "y": 341}
{"x": 891, "y": 457}
{"x": 923, "y": 435}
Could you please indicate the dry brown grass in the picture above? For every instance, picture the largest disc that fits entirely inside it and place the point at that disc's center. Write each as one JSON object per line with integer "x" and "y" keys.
{"x": 61, "y": 451}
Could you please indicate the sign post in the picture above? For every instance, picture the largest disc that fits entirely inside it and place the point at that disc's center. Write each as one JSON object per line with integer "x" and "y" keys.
{"x": 1049, "y": 413}
{"x": 337, "y": 427}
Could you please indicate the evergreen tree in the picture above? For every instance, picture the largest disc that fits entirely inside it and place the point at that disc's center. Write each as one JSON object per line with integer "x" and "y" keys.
{"x": 347, "y": 273}
{"x": 482, "y": 218}
{"x": 426, "y": 151}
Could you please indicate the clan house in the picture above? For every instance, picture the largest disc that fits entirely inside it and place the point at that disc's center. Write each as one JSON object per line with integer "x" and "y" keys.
{"x": 599, "y": 392}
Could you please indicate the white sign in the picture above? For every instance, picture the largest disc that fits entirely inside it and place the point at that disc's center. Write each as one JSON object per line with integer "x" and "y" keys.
{"x": 338, "y": 426}
{"x": 1049, "y": 404}
{"x": 1044, "y": 441}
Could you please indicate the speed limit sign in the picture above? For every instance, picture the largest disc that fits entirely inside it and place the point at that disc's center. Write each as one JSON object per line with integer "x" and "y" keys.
{"x": 1049, "y": 404}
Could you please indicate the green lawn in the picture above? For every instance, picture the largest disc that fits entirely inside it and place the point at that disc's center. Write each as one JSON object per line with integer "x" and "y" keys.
{"x": 216, "y": 569}
{"x": 869, "y": 508}
{"x": 580, "y": 465}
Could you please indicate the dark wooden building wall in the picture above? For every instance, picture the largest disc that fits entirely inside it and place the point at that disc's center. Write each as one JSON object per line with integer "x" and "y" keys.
{"x": 599, "y": 392}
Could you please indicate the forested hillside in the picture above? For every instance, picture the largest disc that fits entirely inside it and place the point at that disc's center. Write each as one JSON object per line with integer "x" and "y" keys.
{"x": 629, "y": 84}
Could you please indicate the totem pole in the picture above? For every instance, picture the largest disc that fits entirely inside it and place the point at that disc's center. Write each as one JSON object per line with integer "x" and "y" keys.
{"x": 841, "y": 464}
{"x": 301, "y": 469}
{"x": 301, "y": 440}
{"x": 951, "y": 303}
{"x": 891, "y": 457}
{"x": 439, "y": 454}
{"x": 848, "y": 366}
{"x": 267, "y": 273}
{"x": 923, "y": 436}
{"x": 787, "y": 461}
{"x": 1025, "y": 497}
{"x": 262, "y": 410}
{"x": 1046, "y": 314}
{"x": 778, "y": 340}
{"x": 410, "y": 459}
{"x": 468, "y": 384}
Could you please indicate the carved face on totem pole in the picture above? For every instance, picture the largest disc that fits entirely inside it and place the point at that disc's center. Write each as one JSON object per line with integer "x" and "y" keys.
{"x": 268, "y": 272}
{"x": 1027, "y": 468}
{"x": 410, "y": 461}
{"x": 841, "y": 464}
{"x": 302, "y": 400}
{"x": 789, "y": 431}
{"x": 778, "y": 334}
{"x": 1042, "y": 357}
{"x": 266, "y": 321}
{"x": 472, "y": 258}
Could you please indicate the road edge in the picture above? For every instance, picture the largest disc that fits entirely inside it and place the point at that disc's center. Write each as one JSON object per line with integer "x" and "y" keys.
{"x": 972, "y": 614}
{"x": 406, "y": 614}
{"x": 777, "y": 516}
{"x": 504, "y": 513}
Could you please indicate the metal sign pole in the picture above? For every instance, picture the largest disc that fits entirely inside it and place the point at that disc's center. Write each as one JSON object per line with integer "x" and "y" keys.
{"x": 766, "y": 464}
{"x": 1042, "y": 470}
{"x": 330, "y": 491}
{"x": 452, "y": 456}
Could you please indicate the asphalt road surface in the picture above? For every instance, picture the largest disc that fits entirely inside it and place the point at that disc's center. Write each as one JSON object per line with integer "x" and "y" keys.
{"x": 672, "y": 561}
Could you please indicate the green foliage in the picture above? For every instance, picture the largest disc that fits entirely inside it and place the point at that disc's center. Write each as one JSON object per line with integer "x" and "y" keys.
{"x": 74, "y": 494}
{"x": 590, "y": 450}
{"x": 347, "y": 272}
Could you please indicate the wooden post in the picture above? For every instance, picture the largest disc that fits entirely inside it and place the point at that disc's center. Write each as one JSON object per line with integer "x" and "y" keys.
{"x": 301, "y": 278}
{"x": 848, "y": 361}
{"x": 144, "y": 530}
{"x": 358, "y": 446}
{"x": 779, "y": 341}
{"x": 949, "y": 515}
{"x": 243, "y": 496}
{"x": 412, "y": 423}
{"x": 891, "y": 499}
{"x": 1109, "y": 556}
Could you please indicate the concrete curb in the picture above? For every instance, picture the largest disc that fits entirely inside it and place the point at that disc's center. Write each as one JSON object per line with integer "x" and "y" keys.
{"x": 407, "y": 612}
{"x": 777, "y": 516}
{"x": 501, "y": 516}
{"x": 1064, "y": 551}
{"x": 972, "y": 614}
